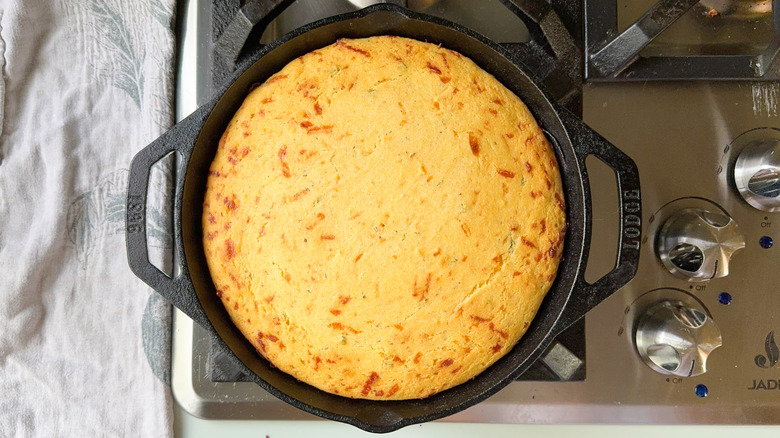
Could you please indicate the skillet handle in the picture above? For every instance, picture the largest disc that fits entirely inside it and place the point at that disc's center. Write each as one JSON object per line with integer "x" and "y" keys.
{"x": 587, "y": 295}
{"x": 177, "y": 289}
{"x": 254, "y": 13}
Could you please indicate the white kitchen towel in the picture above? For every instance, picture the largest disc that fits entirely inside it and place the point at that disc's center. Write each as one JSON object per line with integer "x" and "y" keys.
{"x": 84, "y": 344}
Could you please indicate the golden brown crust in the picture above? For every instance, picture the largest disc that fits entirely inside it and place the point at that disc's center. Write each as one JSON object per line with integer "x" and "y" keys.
{"x": 383, "y": 218}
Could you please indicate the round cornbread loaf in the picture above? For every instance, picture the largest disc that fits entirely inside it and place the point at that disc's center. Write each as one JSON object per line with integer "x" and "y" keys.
{"x": 383, "y": 218}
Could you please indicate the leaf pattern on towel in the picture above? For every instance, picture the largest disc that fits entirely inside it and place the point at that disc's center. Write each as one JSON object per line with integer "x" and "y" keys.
{"x": 121, "y": 49}
{"x": 114, "y": 34}
{"x": 156, "y": 336}
{"x": 163, "y": 13}
{"x": 100, "y": 212}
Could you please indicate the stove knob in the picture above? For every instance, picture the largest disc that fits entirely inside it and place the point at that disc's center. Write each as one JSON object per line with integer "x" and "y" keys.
{"x": 757, "y": 173}
{"x": 675, "y": 338}
{"x": 697, "y": 244}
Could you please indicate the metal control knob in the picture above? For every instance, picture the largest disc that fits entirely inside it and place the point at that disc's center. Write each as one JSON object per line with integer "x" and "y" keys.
{"x": 757, "y": 170}
{"x": 675, "y": 338}
{"x": 697, "y": 244}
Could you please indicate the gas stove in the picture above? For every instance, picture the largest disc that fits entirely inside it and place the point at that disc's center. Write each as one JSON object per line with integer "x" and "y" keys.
{"x": 689, "y": 91}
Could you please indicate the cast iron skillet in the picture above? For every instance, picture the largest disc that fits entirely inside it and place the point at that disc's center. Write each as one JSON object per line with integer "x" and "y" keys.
{"x": 195, "y": 140}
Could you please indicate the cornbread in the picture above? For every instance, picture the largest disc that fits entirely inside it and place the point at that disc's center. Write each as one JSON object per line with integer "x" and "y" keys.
{"x": 382, "y": 218}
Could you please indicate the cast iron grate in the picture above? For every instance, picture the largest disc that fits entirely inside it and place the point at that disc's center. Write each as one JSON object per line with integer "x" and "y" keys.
{"x": 613, "y": 55}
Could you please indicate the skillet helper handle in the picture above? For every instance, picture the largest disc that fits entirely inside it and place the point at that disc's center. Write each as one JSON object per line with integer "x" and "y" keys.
{"x": 177, "y": 289}
{"x": 255, "y": 13}
{"x": 588, "y": 142}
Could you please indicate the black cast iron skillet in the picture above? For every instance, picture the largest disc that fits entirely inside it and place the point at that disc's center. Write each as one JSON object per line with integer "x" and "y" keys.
{"x": 195, "y": 140}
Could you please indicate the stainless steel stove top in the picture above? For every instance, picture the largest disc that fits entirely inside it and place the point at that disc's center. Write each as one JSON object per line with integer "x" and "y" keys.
{"x": 686, "y": 138}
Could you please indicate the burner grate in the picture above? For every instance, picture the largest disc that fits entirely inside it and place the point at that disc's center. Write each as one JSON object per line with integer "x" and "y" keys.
{"x": 615, "y": 55}
{"x": 551, "y": 54}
